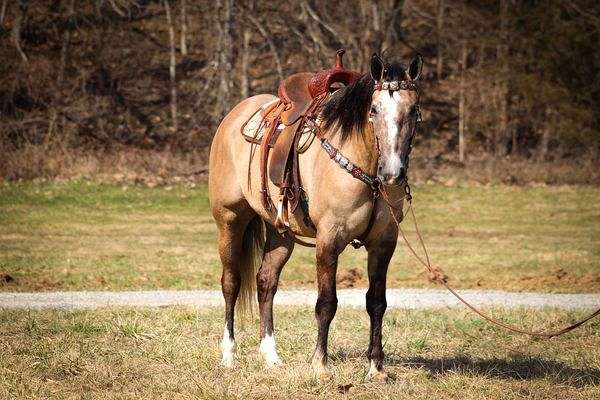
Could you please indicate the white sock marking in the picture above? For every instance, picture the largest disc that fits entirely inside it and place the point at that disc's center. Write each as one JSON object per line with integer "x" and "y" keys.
{"x": 372, "y": 369}
{"x": 269, "y": 352}
{"x": 228, "y": 347}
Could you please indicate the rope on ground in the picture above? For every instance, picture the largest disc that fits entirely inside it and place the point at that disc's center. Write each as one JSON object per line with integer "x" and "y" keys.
{"x": 437, "y": 275}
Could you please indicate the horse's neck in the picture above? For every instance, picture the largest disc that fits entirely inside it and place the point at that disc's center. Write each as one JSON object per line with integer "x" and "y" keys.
{"x": 361, "y": 149}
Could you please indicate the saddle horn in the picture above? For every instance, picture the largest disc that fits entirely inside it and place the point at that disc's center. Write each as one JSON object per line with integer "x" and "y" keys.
{"x": 339, "y": 61}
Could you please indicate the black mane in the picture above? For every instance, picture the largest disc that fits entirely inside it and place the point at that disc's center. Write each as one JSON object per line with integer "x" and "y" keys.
{"x": 349, "y": 107}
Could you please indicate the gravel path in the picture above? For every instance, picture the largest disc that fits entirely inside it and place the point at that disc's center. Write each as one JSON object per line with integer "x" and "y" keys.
{"x": 396, "y": 298}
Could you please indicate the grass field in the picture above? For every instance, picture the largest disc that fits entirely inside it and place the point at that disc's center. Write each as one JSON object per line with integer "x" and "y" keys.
{"x": 172, "y": 353}
{"x": 81, "y": 235}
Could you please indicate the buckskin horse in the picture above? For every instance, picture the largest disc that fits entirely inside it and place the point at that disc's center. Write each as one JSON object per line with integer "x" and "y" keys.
{"x": 265, "y": 193}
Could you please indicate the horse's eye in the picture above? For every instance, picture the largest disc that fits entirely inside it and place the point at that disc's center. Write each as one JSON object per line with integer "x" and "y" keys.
{"x": 373, "y": 110}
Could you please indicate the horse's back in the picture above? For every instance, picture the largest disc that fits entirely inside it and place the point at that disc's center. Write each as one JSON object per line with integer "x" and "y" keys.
{"x": 228, "y": 154}
{"x": 231, "y": 125}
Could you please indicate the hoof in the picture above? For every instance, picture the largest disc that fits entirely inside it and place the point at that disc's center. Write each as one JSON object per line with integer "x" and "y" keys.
{"x": 320, "y": 371}
{"x": 378, "y": 377}
{"x": 377, "y": 374}
{"x": 227, "y": 361}
{"x": 322, "y": 374}
{"x": 272, "y": 361}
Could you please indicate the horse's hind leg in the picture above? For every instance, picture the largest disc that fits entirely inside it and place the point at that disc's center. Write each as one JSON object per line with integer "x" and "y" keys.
{"x": 379, "y": 258}
{"x": 277, "y": 251}
{"x": 232, "y": 229}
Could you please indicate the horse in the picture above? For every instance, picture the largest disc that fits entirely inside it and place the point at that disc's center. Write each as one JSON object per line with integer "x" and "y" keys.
{"x": 372, "y": 122}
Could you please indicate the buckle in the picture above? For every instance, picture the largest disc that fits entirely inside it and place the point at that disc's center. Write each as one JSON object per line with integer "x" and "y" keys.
{"x": 407, "y": 192}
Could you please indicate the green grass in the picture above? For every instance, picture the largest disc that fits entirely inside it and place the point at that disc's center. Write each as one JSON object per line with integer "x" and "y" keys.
{"x": 82, "y": 235}
{"x": 173, "y": 353}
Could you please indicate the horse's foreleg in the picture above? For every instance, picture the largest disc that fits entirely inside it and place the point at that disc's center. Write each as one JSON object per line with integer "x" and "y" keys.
{"x": 378, "y": 261}
{"x": 277, "y": 251}
{"x": 327, "y": 259}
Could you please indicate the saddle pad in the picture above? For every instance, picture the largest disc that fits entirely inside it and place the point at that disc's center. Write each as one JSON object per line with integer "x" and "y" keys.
{"x": 255, "y": 127}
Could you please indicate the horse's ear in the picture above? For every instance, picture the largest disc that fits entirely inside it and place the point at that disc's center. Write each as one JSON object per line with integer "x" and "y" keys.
{"x": 377, "y": 67}
{"x": 416, "y": 65}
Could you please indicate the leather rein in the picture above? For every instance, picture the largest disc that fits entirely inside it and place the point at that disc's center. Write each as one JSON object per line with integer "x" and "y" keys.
{"x": 378, "y": 190}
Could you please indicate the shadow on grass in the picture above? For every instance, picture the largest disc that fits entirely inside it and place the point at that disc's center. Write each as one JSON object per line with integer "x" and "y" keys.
{"x": 513, "y": 368}
{"x": 518, "y": 368}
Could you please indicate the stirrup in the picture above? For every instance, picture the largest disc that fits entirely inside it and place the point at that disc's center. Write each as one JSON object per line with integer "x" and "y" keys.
{"x": 282, "y": 222}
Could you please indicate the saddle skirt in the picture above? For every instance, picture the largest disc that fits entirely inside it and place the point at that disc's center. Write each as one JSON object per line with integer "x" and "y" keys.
{"x": 255, "y": 127}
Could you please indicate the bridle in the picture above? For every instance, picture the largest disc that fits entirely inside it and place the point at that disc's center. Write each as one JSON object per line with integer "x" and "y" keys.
{"x": 395, "y": 86}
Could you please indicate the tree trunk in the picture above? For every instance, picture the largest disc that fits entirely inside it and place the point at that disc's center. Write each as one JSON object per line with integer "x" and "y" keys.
{"x": 184, "y": 27}
{"x": 376, "y": 37}
{"x": 502, "y": 53}
{"x": 542, "y": 151}
{"x": 3, "y": 11}
{"x": 266, "y": 35}
{"x": 440, "y": 27}
{"x": 321, "y": 48}
{"x": 462, "y": 104}
{"x": 225, "y": 10}
{"x": 393, "y": 24}
{"x": 244, "y": 78}
{"x": 172, "y": 66}
{"x": 17, "y": 26}
{"x": 64, "y": 51}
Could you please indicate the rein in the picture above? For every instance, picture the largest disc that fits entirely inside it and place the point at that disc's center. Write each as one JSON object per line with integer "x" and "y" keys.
{"x": 438, "y": 276}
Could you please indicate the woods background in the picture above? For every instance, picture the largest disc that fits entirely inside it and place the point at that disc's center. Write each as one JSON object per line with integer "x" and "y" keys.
{"x": 134, "y": 89}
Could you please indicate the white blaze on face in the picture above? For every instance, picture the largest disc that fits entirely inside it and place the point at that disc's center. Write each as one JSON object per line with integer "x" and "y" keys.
{"x": 269, "y": 352}
{"x": 391, "y": 115}
{"x": 228, "y": 347}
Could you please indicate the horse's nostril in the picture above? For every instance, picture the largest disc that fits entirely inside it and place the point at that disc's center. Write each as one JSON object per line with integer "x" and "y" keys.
{"x": 402, "y": 173}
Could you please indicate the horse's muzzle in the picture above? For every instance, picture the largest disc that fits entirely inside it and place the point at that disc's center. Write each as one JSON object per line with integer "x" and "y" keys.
{"x": 390, "y": 178}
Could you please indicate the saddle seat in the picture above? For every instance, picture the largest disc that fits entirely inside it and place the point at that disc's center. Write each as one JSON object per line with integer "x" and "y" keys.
{"x": 294, "y": 93}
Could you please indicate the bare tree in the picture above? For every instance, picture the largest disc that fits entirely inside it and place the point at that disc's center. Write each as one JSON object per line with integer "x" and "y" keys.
{"x": 116, "y": 8}
{"x": 225, "y": 12}
{"x": 392, "y": 21}
{"x": 64, "y": 50}
{"x": 440, "y": 47}
{"x": 3, "y": 11}
{"x": 502, "y": 54}
{"x": 172, "y": 64}
{"x": 461, "y": 103}
{"x": 246, "y": 55}
{"x": 18, "y": 25}
{"x": 267, "y": 36}
{"x": 184, "y": 29}
{"x": 542, "y": 149}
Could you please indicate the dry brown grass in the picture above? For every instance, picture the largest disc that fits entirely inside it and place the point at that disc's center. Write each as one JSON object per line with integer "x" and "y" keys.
{"x": 130, "y": 165}
{"x": 172, "y": 353}
{"x": 119, "y": 165}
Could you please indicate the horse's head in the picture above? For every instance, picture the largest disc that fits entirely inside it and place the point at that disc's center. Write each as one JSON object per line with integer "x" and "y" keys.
{"x": 394, "y": 114}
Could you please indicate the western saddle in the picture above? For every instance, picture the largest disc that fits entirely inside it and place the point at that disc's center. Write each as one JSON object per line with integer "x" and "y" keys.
{"x": 300, "y": 97}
